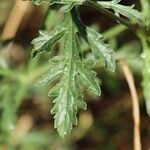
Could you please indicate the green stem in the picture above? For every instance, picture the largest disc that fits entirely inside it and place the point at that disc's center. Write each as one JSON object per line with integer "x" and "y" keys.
{"x": 114, "y": 31}
{"x": 145, "y": 5}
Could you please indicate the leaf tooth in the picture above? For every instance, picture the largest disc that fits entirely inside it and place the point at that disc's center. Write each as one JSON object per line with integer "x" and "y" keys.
{"x": 81, "y": 104}
{"x": 54, "y": 91}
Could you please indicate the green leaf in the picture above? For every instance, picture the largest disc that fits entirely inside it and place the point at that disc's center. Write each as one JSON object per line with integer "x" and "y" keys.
{"x": 38, "y": 2}
{"x": 46, "y": 40}
{"x": 71, "y": 70}
{"x": 78, "y": 2}
{"x": 70, "y": 97}
{"x": 126, "y": 11}
{"x": 100, "y": 50}
{"x": 55, "y": 69}
{"x": 67, "y": 94}
{"x": 88, "y": 80}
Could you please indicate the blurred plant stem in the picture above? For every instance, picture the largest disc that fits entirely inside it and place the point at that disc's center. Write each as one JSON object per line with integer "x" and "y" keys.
{"x": 145, "y": 5}
{"x": 135, "y": 103}
{"x": 23, "y": 125}
{"x": 14, "y": 20}
{"x": 22, "y": 77}
{"x": 114, "y": 31}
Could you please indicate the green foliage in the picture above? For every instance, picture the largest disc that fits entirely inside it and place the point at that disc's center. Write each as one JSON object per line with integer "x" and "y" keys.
{"x": 75, "y": 53}
{"x": 101, "y": 51}
{"x": 70, "y": 69}
{"x": 14, "y": 86}
{"x": 46, "y": 40}
{"x": 126, "y": 11}
{"x": 66, "y": 2}
{"x": 68, "y": 91}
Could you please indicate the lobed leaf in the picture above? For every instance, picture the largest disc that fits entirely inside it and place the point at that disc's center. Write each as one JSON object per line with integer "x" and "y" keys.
{"x": 65, "y": 108}
{"x": 100, "y": 50}
{"x": 66, "y": 2}
{"x": 126, "y": 11}
{"x": 67, "y": 94}
{"x": 46, "y": 40}
{"x": 71, "y": 70}
{"x": 55, "y": 70}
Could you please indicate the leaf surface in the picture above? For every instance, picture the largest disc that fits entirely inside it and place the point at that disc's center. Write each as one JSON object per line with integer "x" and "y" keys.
{"x": 46, "y": 40}
{"x": 100, "y": 50}
{"x": 67, "y": 93}
{"x": 126, "y": 11}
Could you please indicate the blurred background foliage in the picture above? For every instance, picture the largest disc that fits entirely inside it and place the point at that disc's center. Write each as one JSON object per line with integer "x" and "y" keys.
{"x": 25, "y": 119}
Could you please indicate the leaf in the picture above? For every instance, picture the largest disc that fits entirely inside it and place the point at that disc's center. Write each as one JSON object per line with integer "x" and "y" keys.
{"x": 71, "y": 70}
{"x": 126, "y": 11}
{"x": 100, "y": 50}
{"x": 78, "y": 2}
{"x": 55, "y": 69}
{"x": 38, "y": 2}
{"x": 88, "y": 80}
{"x": 46, "y": 40}
{"x": 67, "y": 93}
{"x": 70, "y": 97}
